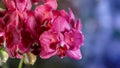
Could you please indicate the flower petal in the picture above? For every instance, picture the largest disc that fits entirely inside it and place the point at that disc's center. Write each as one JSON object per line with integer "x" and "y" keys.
{"x": 75, "y": 54}
{"x": 9, "y": 4}
{"x": 46, "y": 39}
{"x": 23, "y": 5}
{"x": 71, "y": 14}
{"x": 61, "y": 13}
{"x": 45, "y": 55}
{"x": 12, "y": 36}
{"x": 13, "y": 52}
{"x": 43, "y": 12}
{"x": 51, "y": 3}
{"x": 74, "y": 39}
{"x": 78, "y": 25}
{"x": 32, "y": 25}
{"x": 60, "y": 24}
{"x": 11, "y": 18}
{"x": 26, "y": 40}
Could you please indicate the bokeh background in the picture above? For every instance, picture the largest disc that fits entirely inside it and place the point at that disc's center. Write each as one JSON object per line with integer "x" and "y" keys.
{"x": 101, "y": 27}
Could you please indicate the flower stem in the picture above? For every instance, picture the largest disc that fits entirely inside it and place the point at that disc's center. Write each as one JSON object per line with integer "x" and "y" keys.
{"x": 21, "y": 63}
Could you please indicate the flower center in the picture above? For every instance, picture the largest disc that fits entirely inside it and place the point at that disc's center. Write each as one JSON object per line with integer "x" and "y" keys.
{"x": 62, "y": 51}
{"x": 35, "y": 48}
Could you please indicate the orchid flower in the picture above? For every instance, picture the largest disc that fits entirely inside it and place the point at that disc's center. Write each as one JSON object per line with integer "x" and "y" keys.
{"x": 44, "y": 31}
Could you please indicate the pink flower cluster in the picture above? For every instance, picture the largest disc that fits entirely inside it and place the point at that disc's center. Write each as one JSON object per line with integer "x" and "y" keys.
{"x": 43, "y": 31}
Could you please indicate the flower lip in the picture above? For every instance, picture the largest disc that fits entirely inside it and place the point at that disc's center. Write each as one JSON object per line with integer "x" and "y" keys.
{"x": 53, "y": 45}
{"x": 62, "y": 51}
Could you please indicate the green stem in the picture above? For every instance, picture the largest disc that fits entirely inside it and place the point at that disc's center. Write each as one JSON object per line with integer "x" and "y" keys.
{"x": 21, "y": 63}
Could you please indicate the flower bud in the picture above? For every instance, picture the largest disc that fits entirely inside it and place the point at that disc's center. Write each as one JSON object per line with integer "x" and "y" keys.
{"x": 29, "y": 58}
{"x": 3, "y": 56}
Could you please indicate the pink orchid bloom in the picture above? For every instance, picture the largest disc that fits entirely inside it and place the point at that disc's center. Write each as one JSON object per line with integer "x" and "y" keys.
{"x": 18, "y": 34}
{"x": 62, "y": 39}
{"x": 74, "y": 39}
{"x": 26, "y": 41}
{"x": 65, "y": 46}
{"x": 30, "y": 33}
{"x": 12, "y": 32}
{"x": 43, "y": 31}
{"x": 12, "y": 41}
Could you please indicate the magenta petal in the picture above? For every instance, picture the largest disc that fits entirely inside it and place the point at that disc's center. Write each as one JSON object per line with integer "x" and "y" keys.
{"x": 51, "y": 3}
{"x": 43, "y": 12}
{"x": 78, "y": 25}
{"x": 46, "y": 55}
{"x": 31, "y": 23}
{"x": 71, "y": 14}
{"x": 26, "y": 40}
{"x": 61, "y": 13}
{"x": 11, "y": 18}
{"x": 9, "y": 4}
{"x": 74, "y": 39}
{"x": 23, "y": 5}
{"x": 13, "y": 52}
{"x": 46, "y": 39}
{"x": 47, "y": 52}
{"x": 60, "y": 24}
{"x": 12, "y": 36}
{"x": 75, "y": 54}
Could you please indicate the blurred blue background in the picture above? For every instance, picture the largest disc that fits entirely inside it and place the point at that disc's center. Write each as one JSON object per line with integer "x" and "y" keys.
{"x": 101, "y": 27}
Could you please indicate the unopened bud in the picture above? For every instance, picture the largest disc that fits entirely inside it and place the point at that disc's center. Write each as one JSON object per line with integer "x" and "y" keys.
{"x": 29, "y": 58}
{"x": 3, "y": 56}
